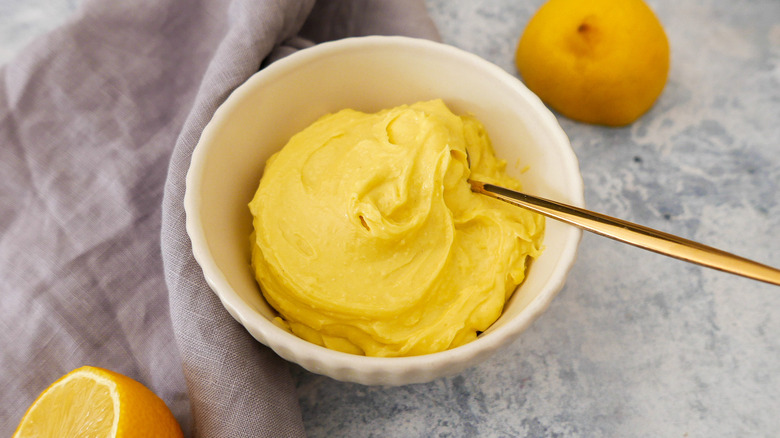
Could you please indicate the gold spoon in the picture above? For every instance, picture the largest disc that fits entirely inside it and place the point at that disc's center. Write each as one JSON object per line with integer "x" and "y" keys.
{"x": 637, "y": 235}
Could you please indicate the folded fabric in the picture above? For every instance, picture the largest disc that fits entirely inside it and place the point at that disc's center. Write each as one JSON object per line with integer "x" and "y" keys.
{"x": 98, "y": 120}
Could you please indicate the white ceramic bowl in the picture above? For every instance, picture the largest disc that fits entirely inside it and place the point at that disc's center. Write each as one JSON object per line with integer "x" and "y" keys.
{"x": 369, "y": 74}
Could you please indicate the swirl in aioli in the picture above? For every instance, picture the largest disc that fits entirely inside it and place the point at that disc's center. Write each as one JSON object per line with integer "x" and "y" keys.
{"x": 367, "y": 238}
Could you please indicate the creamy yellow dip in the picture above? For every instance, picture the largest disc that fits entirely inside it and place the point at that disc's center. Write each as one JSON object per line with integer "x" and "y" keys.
{"x": 368, "y": 239}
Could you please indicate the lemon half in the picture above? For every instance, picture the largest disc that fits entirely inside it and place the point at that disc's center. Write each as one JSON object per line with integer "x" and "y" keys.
{"x": 94, "y": 402}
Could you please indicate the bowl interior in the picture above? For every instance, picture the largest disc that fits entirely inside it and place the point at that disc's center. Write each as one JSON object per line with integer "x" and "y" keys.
{"x": 368, "y": 74}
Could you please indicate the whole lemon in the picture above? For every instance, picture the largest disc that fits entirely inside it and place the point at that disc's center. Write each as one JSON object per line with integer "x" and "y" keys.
{"x": 596, "y": 61}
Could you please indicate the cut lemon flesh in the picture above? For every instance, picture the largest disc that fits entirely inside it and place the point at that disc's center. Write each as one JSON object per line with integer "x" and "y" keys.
{"x": 92, "y": 402}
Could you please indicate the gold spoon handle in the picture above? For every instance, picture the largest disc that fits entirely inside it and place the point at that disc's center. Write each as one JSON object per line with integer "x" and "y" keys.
{"x": 634, "y": 234}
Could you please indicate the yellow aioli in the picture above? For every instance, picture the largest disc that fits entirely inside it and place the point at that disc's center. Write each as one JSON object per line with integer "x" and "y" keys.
{"x": 368, "y": 239}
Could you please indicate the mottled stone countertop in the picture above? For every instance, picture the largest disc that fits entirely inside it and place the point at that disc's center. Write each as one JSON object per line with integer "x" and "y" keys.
{"x": 636, "y": 344}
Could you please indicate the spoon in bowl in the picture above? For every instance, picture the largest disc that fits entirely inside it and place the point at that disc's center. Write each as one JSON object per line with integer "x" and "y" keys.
{"x": 634, "y": 234}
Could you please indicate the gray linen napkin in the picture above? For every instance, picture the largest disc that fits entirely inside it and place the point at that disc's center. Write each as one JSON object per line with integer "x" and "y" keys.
{"x": 98, "y": 120}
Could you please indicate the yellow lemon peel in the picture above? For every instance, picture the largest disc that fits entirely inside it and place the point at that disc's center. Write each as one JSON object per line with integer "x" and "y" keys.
{"x": 598, "y": 61}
